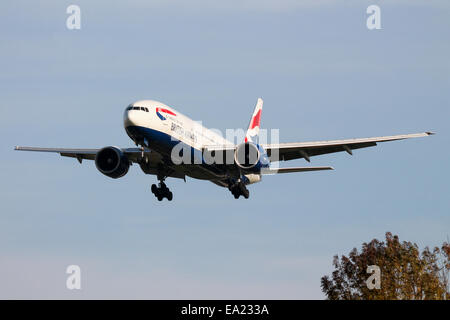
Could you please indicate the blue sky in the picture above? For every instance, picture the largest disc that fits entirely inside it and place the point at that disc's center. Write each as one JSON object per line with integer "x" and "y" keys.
{"x": 322, "y": 75}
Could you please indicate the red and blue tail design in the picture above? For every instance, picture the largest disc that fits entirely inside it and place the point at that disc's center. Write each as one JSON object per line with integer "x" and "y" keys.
{"x": 255, "y": 121}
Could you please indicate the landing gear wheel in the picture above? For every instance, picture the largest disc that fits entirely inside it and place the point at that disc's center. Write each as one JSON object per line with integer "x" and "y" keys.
{"x": 238, "y": 189}
{"x": 161, "y": 191}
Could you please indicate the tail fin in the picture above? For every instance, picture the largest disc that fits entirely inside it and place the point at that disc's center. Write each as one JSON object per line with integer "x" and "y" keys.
{"x": 253, "y": 127}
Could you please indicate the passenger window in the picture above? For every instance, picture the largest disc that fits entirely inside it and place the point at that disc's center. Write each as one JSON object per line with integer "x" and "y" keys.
{"x": 146, "y": 109}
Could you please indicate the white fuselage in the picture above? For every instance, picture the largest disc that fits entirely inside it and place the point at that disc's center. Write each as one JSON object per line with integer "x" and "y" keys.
{"x": 161, "y": 119}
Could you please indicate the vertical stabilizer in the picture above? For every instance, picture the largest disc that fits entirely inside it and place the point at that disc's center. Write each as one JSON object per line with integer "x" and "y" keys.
{"x": 255, "y": 121}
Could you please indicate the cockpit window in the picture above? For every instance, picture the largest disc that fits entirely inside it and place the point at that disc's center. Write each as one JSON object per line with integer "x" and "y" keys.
{"x": 130, "y": 107}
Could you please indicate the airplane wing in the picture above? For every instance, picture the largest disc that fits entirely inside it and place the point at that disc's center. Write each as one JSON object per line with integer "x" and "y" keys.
{"x": 153, "y": 160}
{"x": 297, "y": 150}
{"x": 134, "y": 154}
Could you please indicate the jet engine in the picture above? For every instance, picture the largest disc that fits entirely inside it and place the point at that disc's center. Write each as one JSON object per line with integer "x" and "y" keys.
{"x": 250, "y": 157}
{"x": 112, "y": 162}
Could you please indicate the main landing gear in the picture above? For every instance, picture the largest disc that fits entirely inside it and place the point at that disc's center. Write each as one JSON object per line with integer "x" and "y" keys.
{"x": 238, "y": 189}
{"x": 162, "y": 191}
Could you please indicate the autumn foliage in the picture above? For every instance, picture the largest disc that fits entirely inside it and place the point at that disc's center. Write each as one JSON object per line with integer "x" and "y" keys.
{"x": 406, "y": 273}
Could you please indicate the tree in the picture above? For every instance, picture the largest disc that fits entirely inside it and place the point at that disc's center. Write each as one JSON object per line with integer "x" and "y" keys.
{"x": 405, "y": 272}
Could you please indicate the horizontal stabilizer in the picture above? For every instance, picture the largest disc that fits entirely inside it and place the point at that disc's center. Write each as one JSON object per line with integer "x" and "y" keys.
{"x": 294, "y": 169}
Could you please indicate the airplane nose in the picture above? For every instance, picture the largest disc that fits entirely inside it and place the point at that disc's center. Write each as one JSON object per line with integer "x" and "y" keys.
{"x": 129, "y": 118}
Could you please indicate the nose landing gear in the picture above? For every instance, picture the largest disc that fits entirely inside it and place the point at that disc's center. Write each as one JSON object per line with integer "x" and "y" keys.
{"x": 162, "y": 191}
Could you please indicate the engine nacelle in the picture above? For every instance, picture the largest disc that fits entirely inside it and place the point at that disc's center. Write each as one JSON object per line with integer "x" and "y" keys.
{"x": 251, "y": 178}
{"x": 112, "y": 162}
{"x": 250, "y": 157}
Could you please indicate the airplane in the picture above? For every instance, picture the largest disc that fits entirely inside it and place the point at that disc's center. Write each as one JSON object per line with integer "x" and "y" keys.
{"x": 169, "y": 144}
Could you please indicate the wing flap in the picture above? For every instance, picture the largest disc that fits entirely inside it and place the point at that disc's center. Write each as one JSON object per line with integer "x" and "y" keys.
{"x": 80, "y": 154}
{"x": 294, "y": 169}
{"x": 58, "y": 150}
{"x": 295, "y": 153}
